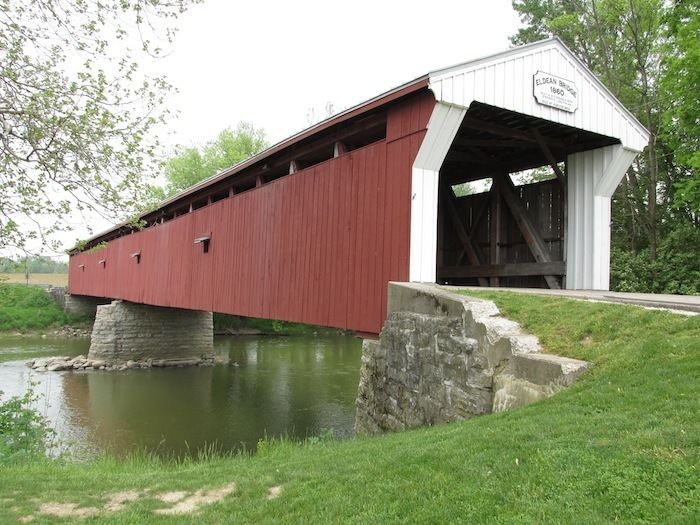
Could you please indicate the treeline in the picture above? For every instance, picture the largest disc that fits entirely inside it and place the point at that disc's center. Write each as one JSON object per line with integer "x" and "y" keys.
{"x": 32, "y": 264}
{"x": 647, "y": 52}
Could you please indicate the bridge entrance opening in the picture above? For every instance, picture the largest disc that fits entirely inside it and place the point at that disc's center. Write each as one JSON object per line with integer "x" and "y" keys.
{"x": 502, "y": 204}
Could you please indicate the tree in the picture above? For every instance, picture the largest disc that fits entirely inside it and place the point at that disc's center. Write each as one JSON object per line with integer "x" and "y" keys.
{"x": 76, "y": 114}
{"x": 625, "y": 43}
{"x": 680, "y": 87}
{"x": 191, "y": 165}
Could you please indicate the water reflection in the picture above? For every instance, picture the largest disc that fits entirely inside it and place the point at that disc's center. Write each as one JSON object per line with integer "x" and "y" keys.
{"x": 296, "y": 386}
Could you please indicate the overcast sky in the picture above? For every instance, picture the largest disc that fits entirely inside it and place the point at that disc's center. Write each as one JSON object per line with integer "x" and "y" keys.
{"x": 270, "y": 62}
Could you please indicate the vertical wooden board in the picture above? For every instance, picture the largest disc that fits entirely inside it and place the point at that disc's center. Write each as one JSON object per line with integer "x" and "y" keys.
{"x": 356, "y": 290}
{"x": 317, "y": 257}
{"x": 351, "y": 185}
{"x": 291, "y": 243}
{"x": 184, "y": 267}
{"x": 238, "y": 210}
{"x": 202, "y": 268}
{"x": 274, "y": 251}
{"x": 245, "y": 250}
{"x": 270, "y": 225}
{"x": 345, "y": 208}
{"x": 281, "y": 248}
{"x": 252, "y": 254}
{"x": 375, "y": 288}
{"x": 248, "y": 281}
{"x": 332, "y": 242}
{"x": 387, "y": 230}
{"x": 315, "y": 218}
{"x": 326, "y": 247}
{"x": 368, "y": 193}
{"x": 304, "y": 236}
{"x": 139, "y": 283}
{"x": 317, "y": 249}
{"x": 103, "y": 288}
{"x": 110, "y": 271}
{"x": 399, "y": 167}
{"x": 416, "y": 140}
{"x": 262, "y": 212}
{"x": 222, "y": 257}
{"x": 159, "y": 272}
{"x": 358, "y": 234}
{"x": 336, "y": 300}
{"x": 74, "y": 280}
{"x": 302, "y": 285}
{"x": 237, "y": 242}
{"x": 376, "y": 181}
{"x": 148, "y": 261}
{"x": 127, "y": 271}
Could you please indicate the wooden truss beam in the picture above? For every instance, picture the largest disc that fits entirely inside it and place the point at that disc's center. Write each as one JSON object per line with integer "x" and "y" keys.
{"x": 548, "y": 155}
{"x": 472, "y": 257}
{"x": 530, "y": 233}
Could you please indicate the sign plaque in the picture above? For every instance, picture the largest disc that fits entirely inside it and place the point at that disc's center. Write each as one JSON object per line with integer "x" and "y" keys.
{"x": 556, "y": 92}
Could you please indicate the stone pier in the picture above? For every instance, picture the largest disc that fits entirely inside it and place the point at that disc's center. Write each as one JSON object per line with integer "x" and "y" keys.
{"x": 138, "y": 334}
{"x": 442, "y": 356}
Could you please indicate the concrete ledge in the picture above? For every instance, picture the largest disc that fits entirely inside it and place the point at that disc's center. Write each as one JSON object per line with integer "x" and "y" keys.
{"x": 544, "y": 369}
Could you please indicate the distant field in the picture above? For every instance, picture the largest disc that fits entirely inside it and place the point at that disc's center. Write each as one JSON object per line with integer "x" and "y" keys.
{"x": 55, "y": 279}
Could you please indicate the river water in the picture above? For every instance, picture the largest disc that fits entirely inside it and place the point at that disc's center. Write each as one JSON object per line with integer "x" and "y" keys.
{"x": 276, "y": 386}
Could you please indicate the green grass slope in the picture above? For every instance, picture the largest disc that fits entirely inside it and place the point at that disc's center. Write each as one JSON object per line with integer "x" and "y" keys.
{"x": 24, "y": 308}
{"x": 619, "y": 446}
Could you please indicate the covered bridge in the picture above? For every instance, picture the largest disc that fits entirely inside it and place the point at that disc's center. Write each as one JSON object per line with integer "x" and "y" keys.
{"x": 312, "y": 229}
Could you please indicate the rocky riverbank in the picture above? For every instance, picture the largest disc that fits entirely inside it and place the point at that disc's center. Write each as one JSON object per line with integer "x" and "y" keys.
{"x": 62, "y": 363}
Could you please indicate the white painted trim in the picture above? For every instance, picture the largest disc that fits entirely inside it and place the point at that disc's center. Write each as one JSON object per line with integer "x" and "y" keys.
{"x": 593, "y": 176}
{"x": 504, "y": 80}
{"x": 442, "y": 128}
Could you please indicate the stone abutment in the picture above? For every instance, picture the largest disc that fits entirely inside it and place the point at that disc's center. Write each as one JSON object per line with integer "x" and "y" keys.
{"x": 443, "y": 357}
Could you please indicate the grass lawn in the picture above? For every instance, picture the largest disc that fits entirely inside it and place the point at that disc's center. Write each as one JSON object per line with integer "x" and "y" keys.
{"x": 620, "y": 445}
{"x": 43, "y": 279}
{"x": 24, "y": 308}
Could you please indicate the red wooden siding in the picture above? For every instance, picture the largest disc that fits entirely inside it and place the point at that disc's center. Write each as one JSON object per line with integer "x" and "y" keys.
{"x": 318, "y": 246}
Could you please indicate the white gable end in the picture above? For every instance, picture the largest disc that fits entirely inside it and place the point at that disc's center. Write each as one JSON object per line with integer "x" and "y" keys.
{"x": 506, "y": 81}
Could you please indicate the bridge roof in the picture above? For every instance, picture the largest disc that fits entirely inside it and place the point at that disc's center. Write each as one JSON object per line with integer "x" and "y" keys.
{"x": 485, "y": 80}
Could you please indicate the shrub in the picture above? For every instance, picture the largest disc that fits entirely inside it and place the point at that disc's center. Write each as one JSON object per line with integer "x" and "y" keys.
{"x": 24, "y": 432}
{"x": 676, "y": 269}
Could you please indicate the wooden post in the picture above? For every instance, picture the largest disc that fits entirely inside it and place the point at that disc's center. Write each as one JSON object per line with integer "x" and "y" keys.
{"x": 495, "y": 230}
{"x": 339, "y": 148}
{"x": 441, "y": 234}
